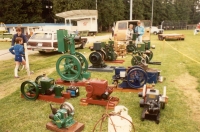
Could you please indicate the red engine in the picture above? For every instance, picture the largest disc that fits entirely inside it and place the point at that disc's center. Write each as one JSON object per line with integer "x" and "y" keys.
{"x": 98, "y": 92}
{"x": 98, "y": 89}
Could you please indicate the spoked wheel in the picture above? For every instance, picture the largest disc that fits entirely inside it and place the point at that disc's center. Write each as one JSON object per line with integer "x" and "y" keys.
{"x": 136, "y": 60}
{"x": 130, "y": 48}
{"x": 68, "y": 67}
{"x": 150, "y": 55}
{"x": 136, "y": 78}
{"x": 29, "y": 90}
{"x": 133, "y": 67}
{"x": 82, "y": 60}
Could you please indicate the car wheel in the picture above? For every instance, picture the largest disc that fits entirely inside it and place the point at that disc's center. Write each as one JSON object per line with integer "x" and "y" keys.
{"x": 155, "y": 33}
{"x": 42, "y": 52}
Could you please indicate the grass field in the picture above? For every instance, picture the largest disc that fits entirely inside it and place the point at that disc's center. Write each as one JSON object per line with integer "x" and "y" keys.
{"x": 180, "y": 68}
{"x": 5, "y": 45}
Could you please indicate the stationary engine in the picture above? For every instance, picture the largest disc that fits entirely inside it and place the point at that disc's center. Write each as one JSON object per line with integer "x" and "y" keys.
{"x": 63, "y": 117}
{"x": 98, "y": 92}
{"x": 97, "y": 57}
{"x": 42, "y": 85}
{"x": 152, "y": 101}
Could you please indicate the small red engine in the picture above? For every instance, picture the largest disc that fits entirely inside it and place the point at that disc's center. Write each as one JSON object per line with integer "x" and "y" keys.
{"x": 98, "y": 92}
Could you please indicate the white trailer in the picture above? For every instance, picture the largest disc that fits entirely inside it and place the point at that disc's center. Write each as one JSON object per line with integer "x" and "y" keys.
{"x": 86, "y": 20}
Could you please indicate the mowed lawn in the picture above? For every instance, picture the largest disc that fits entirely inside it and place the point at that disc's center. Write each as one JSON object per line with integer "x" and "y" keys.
{"x": 181, "y": 114}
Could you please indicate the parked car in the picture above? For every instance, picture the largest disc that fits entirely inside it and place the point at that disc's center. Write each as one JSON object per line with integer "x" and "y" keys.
{"x": 155, "y": 30}
{"x": 46, "y": 41}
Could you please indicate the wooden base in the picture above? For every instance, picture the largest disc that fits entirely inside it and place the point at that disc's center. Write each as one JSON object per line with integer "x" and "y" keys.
{"x": 171, "y": 37}
{"x": 77, "y": 127}
{"x": 111, "y": 104}
{"x": 116, "y": 61}
{"x": 67, "y": 83}
{"x": 129, "y": 90}
{"x": 52, "y": 98}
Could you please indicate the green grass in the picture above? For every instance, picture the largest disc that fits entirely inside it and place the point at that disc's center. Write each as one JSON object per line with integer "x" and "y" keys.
{"x": 19, "y": 115}
{"x": 5, "y": 45}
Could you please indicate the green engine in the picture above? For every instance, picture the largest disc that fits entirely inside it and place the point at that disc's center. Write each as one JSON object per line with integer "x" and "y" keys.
{"x": 42, "y": 85}
{"x": 110, "y": 55}
{"x": 63, "y": 117}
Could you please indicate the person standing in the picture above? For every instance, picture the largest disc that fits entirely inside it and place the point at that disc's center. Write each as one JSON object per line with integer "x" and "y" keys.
{"x": 19, "y": 34}
{"x": 139, "y": 30}
{"x": 129, "y": 32}
{"x": 113, "y": 31}
{"x": 18, "y": 51}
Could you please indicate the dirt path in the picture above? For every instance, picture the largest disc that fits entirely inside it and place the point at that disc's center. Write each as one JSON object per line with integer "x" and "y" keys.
{"x": 6, "y": 55}
{"x": 188, "y": 84}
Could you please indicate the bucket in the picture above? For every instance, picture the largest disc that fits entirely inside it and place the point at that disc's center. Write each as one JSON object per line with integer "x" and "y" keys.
{"x": 121, "y": 124}
{"x": 152, "y": 76}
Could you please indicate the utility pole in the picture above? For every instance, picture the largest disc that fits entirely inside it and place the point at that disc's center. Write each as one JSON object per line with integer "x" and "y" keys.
{"x": 96, "y": 4}
{"x": 131, "y": 9}
{"x": 152, "y": 13}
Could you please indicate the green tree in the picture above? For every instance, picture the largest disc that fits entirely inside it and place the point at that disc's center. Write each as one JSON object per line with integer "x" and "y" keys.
{"x": 21, "y": 11}
{"x": 109, "y": 12}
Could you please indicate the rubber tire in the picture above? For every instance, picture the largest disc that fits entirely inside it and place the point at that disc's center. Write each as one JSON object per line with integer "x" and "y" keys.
{"x": 42, "y": 52}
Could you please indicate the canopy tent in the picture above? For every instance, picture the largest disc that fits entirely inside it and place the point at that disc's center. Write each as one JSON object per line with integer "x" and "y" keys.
{"x": 78, "y": 14}
{"x": 86, "y": 19}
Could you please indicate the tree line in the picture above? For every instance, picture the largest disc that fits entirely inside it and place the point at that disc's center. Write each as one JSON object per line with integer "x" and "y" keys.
{"x": 109, "y": 11}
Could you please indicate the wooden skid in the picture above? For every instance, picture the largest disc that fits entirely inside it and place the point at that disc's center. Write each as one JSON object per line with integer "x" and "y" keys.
{"x": 132, "y": 90}
{"x": 67, "y": 83}
{"x": 111, "y": 104}
{"x": 171, "y": 36}
{"x": 116, "y": 61}
{"x": 52, "y": 98}
{"x": 77, "y": 127}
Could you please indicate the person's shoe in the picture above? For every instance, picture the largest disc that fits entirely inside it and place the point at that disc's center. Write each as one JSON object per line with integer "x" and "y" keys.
{"x": 16, "y": 76}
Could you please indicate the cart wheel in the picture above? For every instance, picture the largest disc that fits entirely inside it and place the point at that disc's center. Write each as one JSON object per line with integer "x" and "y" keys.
{"x": 29, "y": 90}
{"x": 68, "y": 67}
{"x": 136, "y": 78}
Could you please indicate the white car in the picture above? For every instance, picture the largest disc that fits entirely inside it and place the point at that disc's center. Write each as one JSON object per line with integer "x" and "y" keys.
{"x": 155, "y": 30}
{"x": 46, "y": 41}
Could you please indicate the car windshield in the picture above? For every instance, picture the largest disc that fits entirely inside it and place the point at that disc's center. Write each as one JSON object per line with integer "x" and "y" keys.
{"x": 42, "y": 36}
